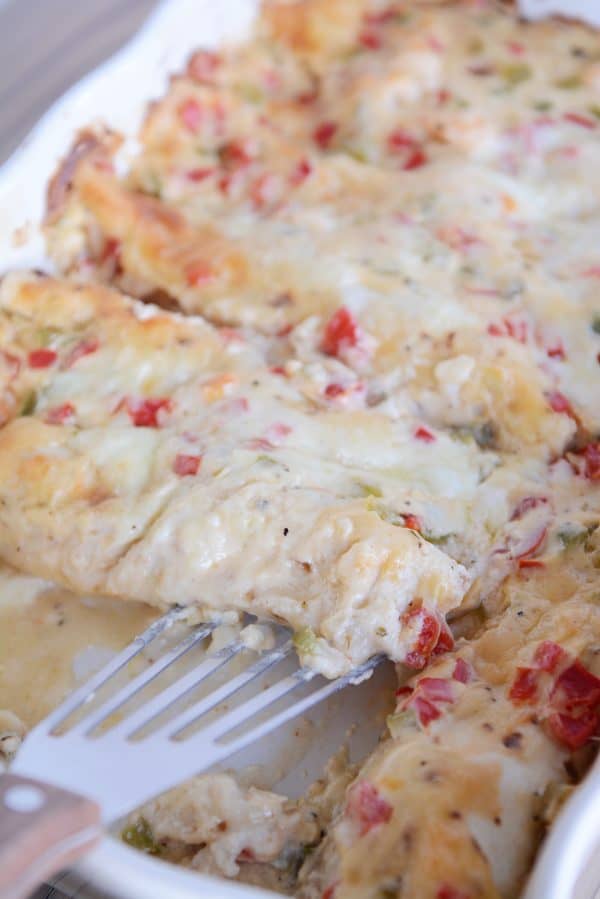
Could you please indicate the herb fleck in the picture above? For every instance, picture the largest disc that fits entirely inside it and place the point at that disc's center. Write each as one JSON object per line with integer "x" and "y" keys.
{"x": 29, "y": 404}
{"x": 570, "y": 83}
{"x": 369, "y": 489}
{"x": 514, "y": 73}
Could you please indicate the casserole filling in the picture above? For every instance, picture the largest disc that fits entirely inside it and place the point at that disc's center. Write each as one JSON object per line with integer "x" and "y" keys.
{"x": 327, "y": 351}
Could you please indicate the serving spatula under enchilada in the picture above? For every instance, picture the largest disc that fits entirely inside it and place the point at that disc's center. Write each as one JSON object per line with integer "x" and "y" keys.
{"x": 87, "y": 764}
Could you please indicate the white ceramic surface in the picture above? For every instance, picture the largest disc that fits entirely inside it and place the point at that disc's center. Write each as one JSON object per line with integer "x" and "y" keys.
{"x": 117, "y": 93}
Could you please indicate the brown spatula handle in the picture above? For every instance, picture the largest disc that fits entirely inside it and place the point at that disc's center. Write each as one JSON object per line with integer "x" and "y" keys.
{"x": 42, "y": 829}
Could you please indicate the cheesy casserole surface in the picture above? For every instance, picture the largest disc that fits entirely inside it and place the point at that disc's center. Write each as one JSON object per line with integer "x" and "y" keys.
{"x": 327, "y": 351}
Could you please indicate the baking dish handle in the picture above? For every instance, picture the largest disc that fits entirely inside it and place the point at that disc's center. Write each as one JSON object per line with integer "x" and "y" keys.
{"x": 42, "y": 829}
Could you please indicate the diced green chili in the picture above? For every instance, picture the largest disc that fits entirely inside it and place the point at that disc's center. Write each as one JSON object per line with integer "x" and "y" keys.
{"x": 305, "y": 641}
{"x": 29, "y": 404}
{"x": 139, "y": 836}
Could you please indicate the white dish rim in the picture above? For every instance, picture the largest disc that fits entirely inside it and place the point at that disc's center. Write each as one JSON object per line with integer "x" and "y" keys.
{"x": 113, "y": 867}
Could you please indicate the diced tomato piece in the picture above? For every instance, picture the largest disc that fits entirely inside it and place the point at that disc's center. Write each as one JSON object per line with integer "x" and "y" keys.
{"x": 575, "y": 687}
{"x": 416, "y": 158}
{"x": 191, "y": 114}
{"x": 443, "y": 95}
{"x": 510, "y": 327}
{"x": 307, "y": 98}
{"x": 301, "y": 172}
{"x": 199, "y": 174}
{"x": 449, "y": 892}
{"x": 225, "y": 183}
{"x": 592, "y": 272}
{"x": 413, "y": 152}
{"x": 531, "y": 563}
{"x": 583, "y": 121}
{"x": 559, "y": 403}
{"x": 412, "y": 521}
{"x": 329, "y": 892}
{"x": 341, "y": 331}
{"x": 60, "y": 414}
{"x": 591, "y": 457}
{"x": 366, "y": 807}
{"x": 199, "y": 273}
{"x": 258, "y": 191}
{"x": 259, "y": 443}
{"x": 525, "y": 685}
{"x": 144, "y": 413}
{"x": 515, "y": 48}
{"x": 246, "y": 855}
{"x": 428, "y": 636}
{"x": 203, "y": 65}
{"x": 526, "y": 504}
{"x": 436, "y": 689}
{"x": 548, "y": 655}
{"x": 517, "y": 329}
{"x": 457, "y": 238}
{"x": 324, "y": 134}
{"x": 370, "y": 40}
{"x": 111, "y": 249}
{"x": 83, "y": 348}
{"x": 557, "y": 350}
{"x": 184, "y": 465}
{"x": 264, "y": 190}
{"x": 41, "y": 358}
{"x": 230, "y": 335}
{"x": 573, "y": 732}
{"x": 277, "y": 432}
{"x": 569, "y": 152}
{"x": 445, "y": 640}
{"x": 278, "y": 370}
{"x": 529, "y": 546}
{"x": 401, "y": 140}
{"x": 235, "y": 155}
{"x": 462, "y": 672}
{"x": 424, "y": 434}
{"x": 334, "y": 390}
{"x": 404, "y": 691}
{"x": 426, "y": 710}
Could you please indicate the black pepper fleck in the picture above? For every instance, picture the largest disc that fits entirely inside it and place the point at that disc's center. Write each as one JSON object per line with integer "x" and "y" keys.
{"x": 513, "y": 741}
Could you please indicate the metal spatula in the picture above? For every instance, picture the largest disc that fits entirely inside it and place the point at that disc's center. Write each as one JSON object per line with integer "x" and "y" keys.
{"x": 101, "y": 754}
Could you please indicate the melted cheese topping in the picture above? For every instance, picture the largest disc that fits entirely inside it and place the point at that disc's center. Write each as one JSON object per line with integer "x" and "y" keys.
{"x": 456, "y": 800}
{"x": 208, "y": 475}
{"x": 387, "y": 218}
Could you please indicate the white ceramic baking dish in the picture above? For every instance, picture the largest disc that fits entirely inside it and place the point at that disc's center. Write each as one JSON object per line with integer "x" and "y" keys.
{"x": 117, "y": 93}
